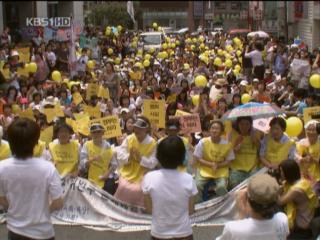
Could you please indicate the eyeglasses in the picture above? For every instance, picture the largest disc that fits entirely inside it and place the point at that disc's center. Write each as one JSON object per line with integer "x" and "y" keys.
{"x": 219, "y": 86}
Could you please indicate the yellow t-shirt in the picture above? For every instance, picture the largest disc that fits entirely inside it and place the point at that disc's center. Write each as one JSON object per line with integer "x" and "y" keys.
{"x": 65, "y": 156}
{"x": 133, "y": 171}
{"x": 214, "y": 152}
{"x": 98, "y": 168}
{"x": 247, "y": 157}
{"x": 277, "y": 152}
{"x": 313, "y": 168}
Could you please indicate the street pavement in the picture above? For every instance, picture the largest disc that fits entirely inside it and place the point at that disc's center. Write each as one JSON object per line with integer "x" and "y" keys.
{"x": 79, "y": 233}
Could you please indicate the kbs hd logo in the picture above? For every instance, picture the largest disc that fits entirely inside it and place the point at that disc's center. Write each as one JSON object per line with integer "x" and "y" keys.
{"x": 48, "y": 22}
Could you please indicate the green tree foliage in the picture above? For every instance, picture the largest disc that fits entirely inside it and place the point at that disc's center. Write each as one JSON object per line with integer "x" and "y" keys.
{"x": 112, "y": 14}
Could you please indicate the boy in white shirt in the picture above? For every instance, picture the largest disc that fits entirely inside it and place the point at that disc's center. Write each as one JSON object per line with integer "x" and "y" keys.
{"x": 170, "y": 194}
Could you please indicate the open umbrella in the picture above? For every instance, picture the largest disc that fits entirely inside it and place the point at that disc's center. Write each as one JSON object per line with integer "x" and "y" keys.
{"x": 254, "y": 110}
{"x": 261, "y": 34}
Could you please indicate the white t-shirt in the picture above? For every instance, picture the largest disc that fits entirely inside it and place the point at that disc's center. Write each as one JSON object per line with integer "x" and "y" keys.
{"x": 256, "y": 57}
{"x": 28, "y": 198}
{"x": 170, "y": 191}
{"x": 251, "y": 229}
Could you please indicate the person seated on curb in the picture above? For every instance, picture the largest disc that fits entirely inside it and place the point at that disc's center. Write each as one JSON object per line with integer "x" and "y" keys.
{"x": 213, "y": 156}
{"x": 263, "y": 221}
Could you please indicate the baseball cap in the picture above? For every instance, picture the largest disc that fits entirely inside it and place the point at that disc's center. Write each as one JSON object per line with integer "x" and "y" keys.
{"x": 96, "y": 127}
{"x": 263, "y": 189}
{"x": 126, "y": 110}
{"x": 255, "y": 80}
{"x": 141, "y": 123}
{"x": 244, "y": 83}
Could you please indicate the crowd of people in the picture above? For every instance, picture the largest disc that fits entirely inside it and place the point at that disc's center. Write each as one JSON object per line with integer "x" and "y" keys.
{"x": 154, "y": 167}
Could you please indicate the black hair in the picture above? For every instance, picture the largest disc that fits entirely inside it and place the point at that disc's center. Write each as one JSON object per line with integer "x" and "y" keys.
{"x": 34, "y": 95}
{"x": 280, "y": 121}
{"x": 60, "y": 126}
{"x": 239, "y": 119}
{"x": 266, "y": 211}
{"x": 219, "y": 123}
{"x": 173, "y": 121}
{"x": 23, "y": 135}
{"x": 171, "y": 152}
{"x": 291, "y": 170}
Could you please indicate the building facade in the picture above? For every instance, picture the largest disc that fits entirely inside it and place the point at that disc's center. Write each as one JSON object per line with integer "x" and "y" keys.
{"x": 304, "y": 21}
{"x": 167, "y": 14}
{"x": 226, "y": 14}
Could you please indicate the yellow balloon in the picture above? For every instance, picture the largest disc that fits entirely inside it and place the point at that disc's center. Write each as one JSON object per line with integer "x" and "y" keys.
{"x": 146, "y": 63}
{"x": 177, "y": 42}
{"x": 245, "y": 98}
{"x": 228, "y": 63}
{"x": 173, "y": 45}
{"x": 26, "y": 66}
{"x": 193, "y": 47}
{"x": 117, "y": 61}
{"x": 32, "y": 67}
{"x": 202, "y": 46}
{"x": 164, "y": 46}
{"x": 236, "y": 72}
{"x": 200, "y": 81}
{"x": 110, "y": 51}
{"x": 134, "y": 44}
{"x": 194, "y": 40}
{"x": 201, "y": 39}
{"x": 188, "y": 40}
{"x": 217, "y": 61}
{"x": 294, "y": 126}
{"x": 108, "y": 32}
{"x": 151, "y": 50}
{"x": 238, "y": 53}
{"x": 220, "y": 52}
{"x": 119, "y": 28}
{"x": 154, "y": 25}
{"x": 147, "y": 56}
{"x": 90, "y": 64}
{"x": 237, "y": 67}
{"x": 56, "y": 76}
{"x": 315, "y": 80}
{"x": 195, "y": 100}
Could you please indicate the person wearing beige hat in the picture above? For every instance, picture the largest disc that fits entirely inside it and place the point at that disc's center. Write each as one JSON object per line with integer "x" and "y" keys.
{"x": 137, "y": 156}
{"x": 98, "y": 159}
{"x": 264, "y": 222}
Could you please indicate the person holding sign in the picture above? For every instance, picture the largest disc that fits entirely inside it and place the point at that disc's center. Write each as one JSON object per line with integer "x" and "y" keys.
{"x": 213, "y": 155}
{"x": 98, "y": 159}
{"x": 136, "y": 155}
{"x": 276, "y": 146}
{"x": 65, "y": 153}
{"x": 30, "y": 188}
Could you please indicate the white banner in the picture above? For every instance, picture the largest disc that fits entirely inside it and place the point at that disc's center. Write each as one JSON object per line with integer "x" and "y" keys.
{"x": 89, "y": 206}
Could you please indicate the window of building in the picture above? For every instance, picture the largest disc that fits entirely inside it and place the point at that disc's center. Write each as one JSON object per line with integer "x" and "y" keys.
{"x": 221, "y": 5}
{"x": 235, "y": 6}
{"x": 52, "y": 9}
